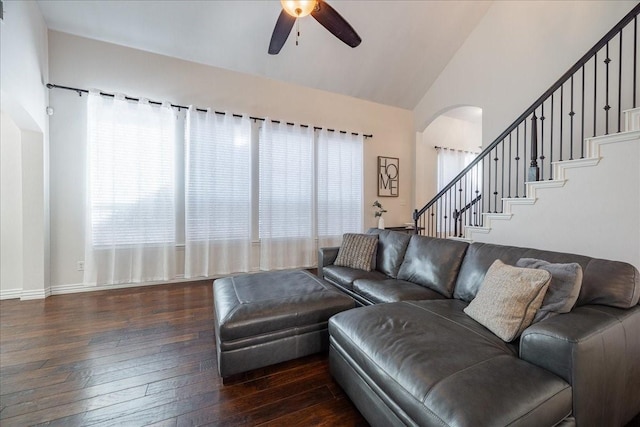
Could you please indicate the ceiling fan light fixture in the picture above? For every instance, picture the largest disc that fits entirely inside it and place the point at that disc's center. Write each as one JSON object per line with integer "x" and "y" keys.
{"x": 298, "y": 8}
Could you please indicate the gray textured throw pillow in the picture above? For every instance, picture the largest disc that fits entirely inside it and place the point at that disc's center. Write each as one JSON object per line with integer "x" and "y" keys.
{"x": 508, "y": 299}
{"x": 563, "y": 292}
{"x": 357, "y": 251}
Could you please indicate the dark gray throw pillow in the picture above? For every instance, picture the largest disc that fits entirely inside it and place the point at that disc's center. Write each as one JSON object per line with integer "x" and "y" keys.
{"x": 357, "y": 251}
{"x": 563, "y": 292}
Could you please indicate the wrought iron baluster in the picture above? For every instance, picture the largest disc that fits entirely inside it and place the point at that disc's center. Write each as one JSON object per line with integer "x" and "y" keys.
{"x": 571, "y": 114}
{"x": 475, "y": 210}
{"x": 495, "y": 183}
{"x": 620, "y": 83}
{"x": 582, "y": 119}
{"x": 534, "y": 172}
{"x": 607, "y": 107}
{"x": 542, "y": 118}
{"x": 502, "y": 178}
{"x": 449, "y": 215}
{"x": 524, "y": 160}
{"x": 517, "y": 158}
{"x": 489, "y": 187}
{"x": 551, "y": 142}
{"x": 635, "y": 62}
{"x": 595, "y": 92}
{"x": 561, "y": 117}
{"x": 510, "y": 142}
{"x": 460, "y": 190}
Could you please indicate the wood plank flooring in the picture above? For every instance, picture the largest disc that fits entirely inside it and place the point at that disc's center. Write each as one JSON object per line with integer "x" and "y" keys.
{"x": 146, "y": 356}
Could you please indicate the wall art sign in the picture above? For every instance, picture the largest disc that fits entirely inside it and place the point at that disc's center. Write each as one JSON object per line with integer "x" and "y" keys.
{"x": 388, "y": 176}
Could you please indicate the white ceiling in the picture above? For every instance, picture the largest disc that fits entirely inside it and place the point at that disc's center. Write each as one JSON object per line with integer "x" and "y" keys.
{"x": 406, "y": 44}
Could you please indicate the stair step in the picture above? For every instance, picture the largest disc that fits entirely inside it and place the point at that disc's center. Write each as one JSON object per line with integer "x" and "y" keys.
{"x": 499, "y": 216}
{"x": 632, "y": 119}
{"x": 476, "y": 229}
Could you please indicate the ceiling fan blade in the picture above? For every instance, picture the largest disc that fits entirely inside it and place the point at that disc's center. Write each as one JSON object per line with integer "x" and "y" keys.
{"x": 336, "y": 24}
{"x": 281, "y": 32}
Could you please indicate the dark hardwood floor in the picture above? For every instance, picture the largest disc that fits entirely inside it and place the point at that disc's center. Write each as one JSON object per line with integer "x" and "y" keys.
{"x": 146, "y": 356}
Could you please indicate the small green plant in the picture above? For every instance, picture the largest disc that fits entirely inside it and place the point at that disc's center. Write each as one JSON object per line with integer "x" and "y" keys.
{"x": 380, "y": 210}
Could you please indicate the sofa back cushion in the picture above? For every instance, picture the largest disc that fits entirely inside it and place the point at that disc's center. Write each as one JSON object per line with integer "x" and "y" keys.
{"x": 612, "y": 283}
{"x": 392, "y": 246}
{"x": 433, "y": 263}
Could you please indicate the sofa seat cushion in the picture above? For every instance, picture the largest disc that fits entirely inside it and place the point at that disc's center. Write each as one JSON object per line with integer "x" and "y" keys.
{"x": 439, "y": 367}
{"x": 392, "y": 290}
{"x": 345, "y": 276}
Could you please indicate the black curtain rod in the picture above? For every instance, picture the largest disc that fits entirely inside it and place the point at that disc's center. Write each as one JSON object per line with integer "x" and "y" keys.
{"x": 129, "y": 98}
{"x": 437, "y": 147}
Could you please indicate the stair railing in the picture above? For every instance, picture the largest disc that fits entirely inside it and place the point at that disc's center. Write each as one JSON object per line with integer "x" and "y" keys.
{"x": 587, "y": 101}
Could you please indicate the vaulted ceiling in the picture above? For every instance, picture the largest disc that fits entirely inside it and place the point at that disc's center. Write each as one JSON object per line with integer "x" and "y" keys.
{"x": 406, "y": 44}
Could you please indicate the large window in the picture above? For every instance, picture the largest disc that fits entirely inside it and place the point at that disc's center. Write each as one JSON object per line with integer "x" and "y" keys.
{"x": 339, "y": 189}
{"x": 131, "y": 172}
{"x": 286, "y": 196}
{"x": 286, "y": 187}
{"x": 131, "y": 209}
{"x": 217, "y": 194}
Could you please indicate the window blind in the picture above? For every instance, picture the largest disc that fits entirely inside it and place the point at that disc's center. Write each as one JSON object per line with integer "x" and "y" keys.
{"x": 131, "y": 172}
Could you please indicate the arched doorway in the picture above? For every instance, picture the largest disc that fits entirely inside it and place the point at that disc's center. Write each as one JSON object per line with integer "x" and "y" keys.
{"x": 456, "y": 136}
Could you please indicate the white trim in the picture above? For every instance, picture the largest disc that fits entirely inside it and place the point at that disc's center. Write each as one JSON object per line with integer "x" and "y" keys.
{"x": 499, "y": 216}
{"x": 461, "y": 239}
{"x": 10, "y": 294}
{"x": 475, "y": 229}
{"x": 35, "y": 294}
{"x": 89, "y": 287}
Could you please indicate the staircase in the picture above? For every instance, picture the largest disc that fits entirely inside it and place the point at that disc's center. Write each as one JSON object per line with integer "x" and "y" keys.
{"x": 593, "y": 156}
{"x": 592, "y": 105}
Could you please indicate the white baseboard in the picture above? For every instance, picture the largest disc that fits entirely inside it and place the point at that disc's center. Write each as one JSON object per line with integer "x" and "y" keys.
{"x": 35, "y": 294}
{"x": 10, "y": 294}
{"x": 90, "y": 287}
{"x": 74, "y": 288}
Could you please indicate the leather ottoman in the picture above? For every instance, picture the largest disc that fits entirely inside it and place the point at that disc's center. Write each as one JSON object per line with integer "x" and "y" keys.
{"x": 266, "y": 318}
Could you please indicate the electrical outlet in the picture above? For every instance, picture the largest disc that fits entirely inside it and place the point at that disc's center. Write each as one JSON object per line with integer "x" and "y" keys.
{"x": 80, "y": 266}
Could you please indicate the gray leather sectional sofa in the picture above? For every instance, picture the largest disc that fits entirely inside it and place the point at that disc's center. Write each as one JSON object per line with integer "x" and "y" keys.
{"x": 411, "y": 356}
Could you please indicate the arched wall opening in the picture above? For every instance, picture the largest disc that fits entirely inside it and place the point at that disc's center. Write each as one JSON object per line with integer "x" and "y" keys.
{"x": 456, "y": 128}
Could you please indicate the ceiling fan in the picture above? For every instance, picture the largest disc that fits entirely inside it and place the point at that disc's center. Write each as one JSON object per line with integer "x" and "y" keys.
{"x": 321, "y": 11}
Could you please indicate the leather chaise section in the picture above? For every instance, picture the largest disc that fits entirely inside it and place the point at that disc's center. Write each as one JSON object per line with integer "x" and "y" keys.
{"x": 440, "y": 375}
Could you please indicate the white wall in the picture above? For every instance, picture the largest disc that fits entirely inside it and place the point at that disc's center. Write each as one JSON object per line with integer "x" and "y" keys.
{"x": 10, "y": 208}
{"x": 517, "y": 51}
{"x": 24, "y": 197}
{"x": 84, "y": 63}
{"x": 596, "y": 213}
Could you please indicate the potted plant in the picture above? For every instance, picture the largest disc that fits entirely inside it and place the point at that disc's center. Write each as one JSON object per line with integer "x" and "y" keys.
{"x": 378, "y": 214}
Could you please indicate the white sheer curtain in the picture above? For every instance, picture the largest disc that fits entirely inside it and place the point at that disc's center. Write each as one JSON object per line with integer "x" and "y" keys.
{"x": 130, "y": 221}
{"x": 286, "y": 196}
{"x": 217, "y": 194}
{"x": 339, "y": 190}
{"x": 450, "y": 163}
